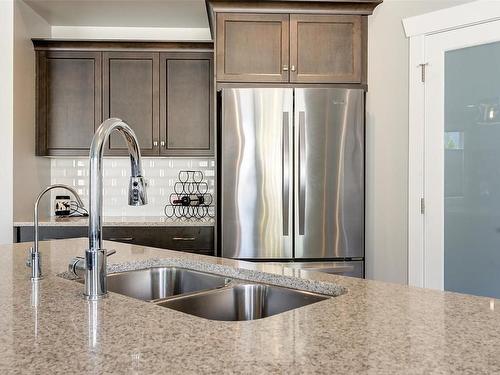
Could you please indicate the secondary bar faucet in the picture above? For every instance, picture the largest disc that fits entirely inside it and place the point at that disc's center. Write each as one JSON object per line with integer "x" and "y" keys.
{"x": 34, "y": 260}
{"x": 95, "y": 255}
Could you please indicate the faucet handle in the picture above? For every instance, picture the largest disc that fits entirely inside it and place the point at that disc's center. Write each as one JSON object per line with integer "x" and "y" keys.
{"x": 76, "y": 265}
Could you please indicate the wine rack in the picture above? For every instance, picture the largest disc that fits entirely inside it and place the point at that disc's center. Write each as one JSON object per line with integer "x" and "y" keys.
{"x": 191, "y": 198}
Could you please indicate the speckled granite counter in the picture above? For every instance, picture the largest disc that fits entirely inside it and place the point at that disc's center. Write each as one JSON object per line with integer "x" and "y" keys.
{"x": 118, "y": 221}
{"x": 374, "y": 328}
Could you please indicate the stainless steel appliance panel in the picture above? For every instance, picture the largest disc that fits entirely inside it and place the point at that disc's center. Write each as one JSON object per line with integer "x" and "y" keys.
{"x": 349, "y": 268}
{"x": 329, "y": 166}
{"x": 257, "y": 173}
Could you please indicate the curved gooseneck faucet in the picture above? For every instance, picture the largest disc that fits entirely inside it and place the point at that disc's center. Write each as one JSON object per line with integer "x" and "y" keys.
{"x": 95, "y": 255}
{"x": 34, "y": 258}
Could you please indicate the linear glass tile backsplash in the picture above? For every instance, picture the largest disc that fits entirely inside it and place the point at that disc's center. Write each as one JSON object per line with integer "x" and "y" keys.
{"x": 161, "y": 173}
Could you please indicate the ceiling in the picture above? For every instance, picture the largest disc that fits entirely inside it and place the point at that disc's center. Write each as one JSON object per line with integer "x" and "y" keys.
{"x": 123, "y": 13}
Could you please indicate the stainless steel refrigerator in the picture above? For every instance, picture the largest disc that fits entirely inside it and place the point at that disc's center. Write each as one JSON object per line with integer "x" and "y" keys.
{"x": 292, "y": 176}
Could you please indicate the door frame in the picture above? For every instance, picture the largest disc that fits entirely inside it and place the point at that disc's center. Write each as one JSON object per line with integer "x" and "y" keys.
{"x": 420, "y": 30}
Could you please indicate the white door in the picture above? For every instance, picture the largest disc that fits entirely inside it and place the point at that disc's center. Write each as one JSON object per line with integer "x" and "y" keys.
{"x": 462, "y": 160}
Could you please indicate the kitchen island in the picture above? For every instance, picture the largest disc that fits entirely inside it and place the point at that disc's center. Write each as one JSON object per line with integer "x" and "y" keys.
{"x": 368, "y": 328}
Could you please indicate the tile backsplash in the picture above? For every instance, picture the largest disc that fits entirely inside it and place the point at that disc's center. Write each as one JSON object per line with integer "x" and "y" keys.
{"x": 161, "y": 174}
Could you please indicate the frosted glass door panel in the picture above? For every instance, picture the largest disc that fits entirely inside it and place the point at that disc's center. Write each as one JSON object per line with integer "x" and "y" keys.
{"x": 472, "y": 170}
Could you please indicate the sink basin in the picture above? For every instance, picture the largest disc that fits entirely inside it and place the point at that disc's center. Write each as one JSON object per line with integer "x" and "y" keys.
{"x": 162, "y": 282}
{"x": 242, "y": 302}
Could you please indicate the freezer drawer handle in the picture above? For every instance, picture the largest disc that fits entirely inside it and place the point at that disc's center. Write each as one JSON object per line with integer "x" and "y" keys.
{"x": 184, "y": 238}
{"x": 285, "y": 172}
{"x": 302, "y": 172}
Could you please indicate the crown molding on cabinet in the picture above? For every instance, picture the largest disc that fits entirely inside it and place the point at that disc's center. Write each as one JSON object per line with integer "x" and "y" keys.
{"x": 329, "y": 7}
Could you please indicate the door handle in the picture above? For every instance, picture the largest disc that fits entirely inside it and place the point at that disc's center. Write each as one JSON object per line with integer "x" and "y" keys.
{"x": 302, "y": 172}
{"x": 285, "y": 172}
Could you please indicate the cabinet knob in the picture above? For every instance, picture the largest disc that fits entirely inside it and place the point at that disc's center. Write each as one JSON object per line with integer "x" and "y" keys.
{"x": 155, "y": 143}
{"x": 285, "y": 68}
{"x": 162, "y": 143}
{"x": 292, "y": 68}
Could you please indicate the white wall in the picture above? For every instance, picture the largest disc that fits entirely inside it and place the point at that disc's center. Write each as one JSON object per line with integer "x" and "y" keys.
{"x": 6, "y": 115}
{"x": 132, "y": 33}
{"x": 32, "y": 173}
{"x": 125, "y": 19}
{"x": 387, "y": 137}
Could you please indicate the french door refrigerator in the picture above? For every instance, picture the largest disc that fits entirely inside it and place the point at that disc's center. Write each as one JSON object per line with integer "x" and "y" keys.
{"x": 292, "y": 176}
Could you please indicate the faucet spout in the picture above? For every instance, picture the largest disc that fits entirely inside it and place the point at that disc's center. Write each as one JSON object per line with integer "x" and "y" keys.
{"x": 95, "y": 255}
{"x": 34, "y": 258}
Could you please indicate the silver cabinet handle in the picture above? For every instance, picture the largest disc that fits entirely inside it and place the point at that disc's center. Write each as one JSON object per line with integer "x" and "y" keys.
{"x": 292, "y": 68}
{"x": 302, "y": 172}
{"x": 285, "y": 68}
{"x": 155, "y": 143}
{"x": 162, "y": 143}
{"x": 121, "y": 239}
{"x": 285, "y": 168}
{"x": 184, "y": 238}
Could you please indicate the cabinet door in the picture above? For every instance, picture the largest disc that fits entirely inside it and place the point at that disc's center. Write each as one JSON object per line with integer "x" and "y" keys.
{"x": 187, "y": 103}
{"x": 131, "y": 93}
{"x": 252, "y": 47}
{"x": 325, "y": 48}
{"x": 68, "y": 101}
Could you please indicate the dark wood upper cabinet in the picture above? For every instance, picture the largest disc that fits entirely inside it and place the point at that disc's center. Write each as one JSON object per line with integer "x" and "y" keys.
{"x": 290, "y": 48}
{"x": 131, "y": 93}
{"x": 252, "y": 47}
{"x": 186, "y": 104}
{"x": 81, "y": 83}
{"x": 325, "y": 48}
{"x": 68, "y": 101}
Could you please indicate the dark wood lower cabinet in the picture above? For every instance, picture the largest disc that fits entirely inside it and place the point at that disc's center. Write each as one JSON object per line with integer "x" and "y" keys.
{"x": 199, "y": 239}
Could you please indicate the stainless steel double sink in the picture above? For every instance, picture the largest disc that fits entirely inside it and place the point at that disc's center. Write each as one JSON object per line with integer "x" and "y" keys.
{"x": 207, "y": 295}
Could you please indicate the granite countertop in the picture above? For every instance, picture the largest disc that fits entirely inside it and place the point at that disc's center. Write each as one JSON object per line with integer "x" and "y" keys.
{"x": 121, "y": 221}
{"x": 369, "y": 328}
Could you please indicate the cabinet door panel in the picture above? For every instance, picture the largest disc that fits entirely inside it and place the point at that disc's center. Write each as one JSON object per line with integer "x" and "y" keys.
{"x": 252, "y": 47}
{"x": 186, "y": 104}
{"x": 325, "y": 48}
{"x": 131, "y": 92}
{"x": 68, "y": 101}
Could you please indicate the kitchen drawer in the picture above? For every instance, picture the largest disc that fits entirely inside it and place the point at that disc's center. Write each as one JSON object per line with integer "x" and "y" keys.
{"x": 190, "y": 239}
{"x": 25, "y": 234}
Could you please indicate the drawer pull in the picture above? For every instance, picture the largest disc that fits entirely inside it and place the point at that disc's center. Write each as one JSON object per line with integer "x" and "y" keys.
{"x": 121, "y": 239}
{"x": 184, "y": 238}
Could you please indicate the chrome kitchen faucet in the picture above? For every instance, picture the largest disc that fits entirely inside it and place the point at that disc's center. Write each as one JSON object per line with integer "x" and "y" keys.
{"x": 94, "y": 264}
{"x": 34, "y": 260}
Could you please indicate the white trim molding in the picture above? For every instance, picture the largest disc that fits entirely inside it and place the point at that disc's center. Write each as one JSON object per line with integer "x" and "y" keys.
{"x": 459, "y": 16}
{"x": 416, "y": 133}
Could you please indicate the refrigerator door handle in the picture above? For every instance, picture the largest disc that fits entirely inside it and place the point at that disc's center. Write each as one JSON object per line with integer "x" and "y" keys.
{"x": 302, "y": 172}
{"x": 285, "y": 172}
